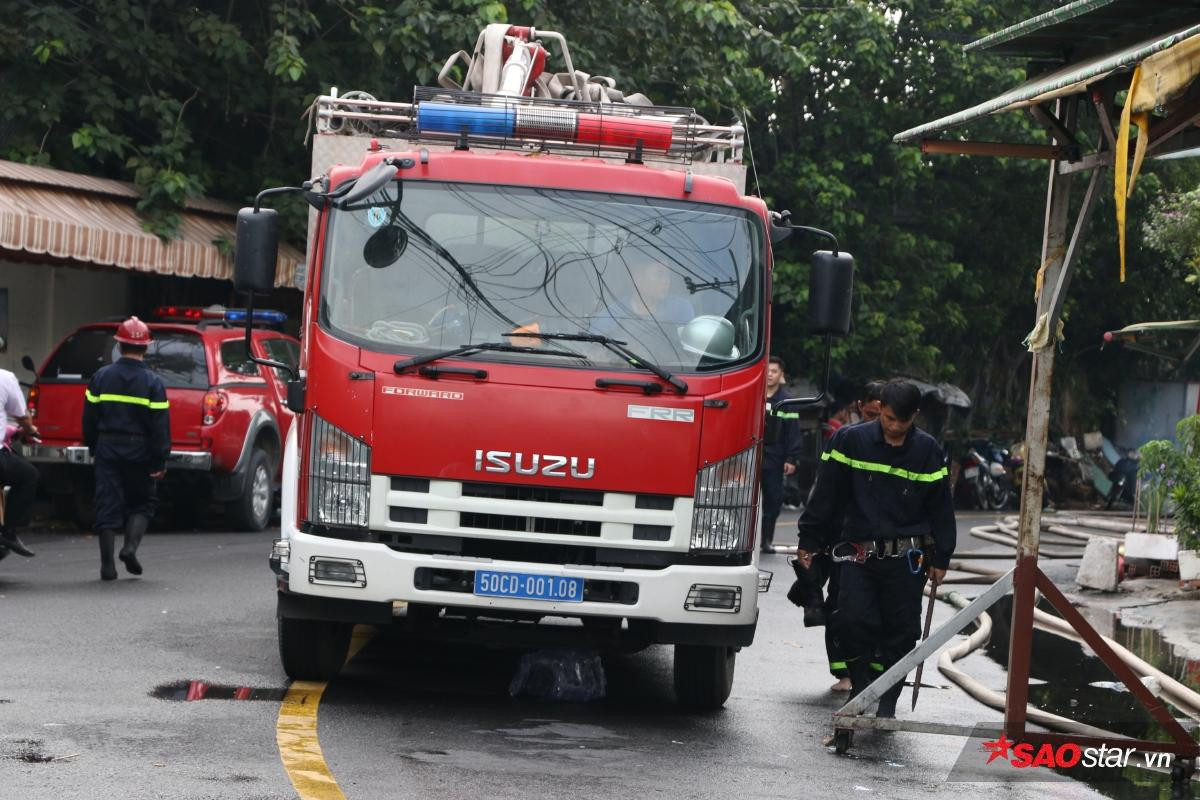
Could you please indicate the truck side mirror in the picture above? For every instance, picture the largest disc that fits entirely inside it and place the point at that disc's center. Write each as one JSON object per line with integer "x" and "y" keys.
{"x": 28, "y": 364}
{"x": 830, "y": 290}
{"x": 256, "y": 250}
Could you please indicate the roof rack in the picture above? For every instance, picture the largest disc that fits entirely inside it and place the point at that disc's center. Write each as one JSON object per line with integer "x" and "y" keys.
{"x": 475, "y": 119}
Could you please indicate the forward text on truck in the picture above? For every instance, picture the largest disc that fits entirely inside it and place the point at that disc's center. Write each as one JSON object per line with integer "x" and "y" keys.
{"x": 531, "y": 387}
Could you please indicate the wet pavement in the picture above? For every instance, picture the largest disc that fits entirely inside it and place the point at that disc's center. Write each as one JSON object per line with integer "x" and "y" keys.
{"x": 96, "y": 682}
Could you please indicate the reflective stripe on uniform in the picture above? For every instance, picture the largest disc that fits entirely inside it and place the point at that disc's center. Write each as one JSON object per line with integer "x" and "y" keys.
{"x": 125, "y": 398}
{"x": 871, "y": 466}
{"x": 838, "y": 665}
{"x": 786, "y": 414}
{"x": 875, "y": 665}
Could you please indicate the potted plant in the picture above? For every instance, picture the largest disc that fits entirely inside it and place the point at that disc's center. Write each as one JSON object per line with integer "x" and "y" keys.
{"x": 1174, "y": 471}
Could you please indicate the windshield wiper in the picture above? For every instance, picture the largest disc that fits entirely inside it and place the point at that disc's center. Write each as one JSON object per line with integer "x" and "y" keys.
{"x": 467, "y": 349}
{"x": 618, "y": 347}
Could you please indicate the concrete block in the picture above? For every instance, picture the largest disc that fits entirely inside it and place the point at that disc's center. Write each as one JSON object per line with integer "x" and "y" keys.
{"x": 1099, "y": 567}
{"x": 1153, "y": 546}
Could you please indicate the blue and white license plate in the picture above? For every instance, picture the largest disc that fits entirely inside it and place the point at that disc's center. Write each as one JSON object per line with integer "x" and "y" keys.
{"x": 555, "y": 588}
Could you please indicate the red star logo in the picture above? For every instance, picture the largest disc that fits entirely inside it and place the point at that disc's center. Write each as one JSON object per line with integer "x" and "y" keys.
{"x": 998, "y": 748}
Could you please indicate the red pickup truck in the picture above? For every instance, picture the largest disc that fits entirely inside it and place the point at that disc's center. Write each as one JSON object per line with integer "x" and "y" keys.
{"x": 228, "y": 415}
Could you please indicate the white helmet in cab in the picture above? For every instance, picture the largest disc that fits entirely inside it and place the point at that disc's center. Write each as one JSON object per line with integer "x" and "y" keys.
{"x": 709, "y": 335}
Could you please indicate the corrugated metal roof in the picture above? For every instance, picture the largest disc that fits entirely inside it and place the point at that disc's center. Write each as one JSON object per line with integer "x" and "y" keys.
{"x": 1086, "y": 27}
{"x": 47, "y": 176}
{"x": 1186, "y": 325}
{"x": 93, "y": 220}
{"x": 1069, "y": 79}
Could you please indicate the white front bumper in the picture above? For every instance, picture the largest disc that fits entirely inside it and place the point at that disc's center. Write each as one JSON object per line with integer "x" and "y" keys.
{"x": 390, "y": 578}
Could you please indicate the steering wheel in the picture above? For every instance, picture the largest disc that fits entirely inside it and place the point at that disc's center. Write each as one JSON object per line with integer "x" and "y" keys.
{"x": 449, "y": 320}
{"x": 397, "y": 331}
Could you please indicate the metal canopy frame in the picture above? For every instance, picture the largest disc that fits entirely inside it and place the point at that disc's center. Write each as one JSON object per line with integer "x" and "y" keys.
{"x": 1079, "y": 91}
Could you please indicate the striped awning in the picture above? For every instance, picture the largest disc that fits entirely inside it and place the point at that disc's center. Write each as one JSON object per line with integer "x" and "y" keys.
{"x": 92, "y": 220}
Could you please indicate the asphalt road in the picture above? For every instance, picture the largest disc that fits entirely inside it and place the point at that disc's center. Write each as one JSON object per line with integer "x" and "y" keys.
{"x": 89, "y": 668}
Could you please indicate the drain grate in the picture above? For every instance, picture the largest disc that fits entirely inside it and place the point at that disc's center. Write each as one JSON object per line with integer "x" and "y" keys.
{"x": 188, "y": 691}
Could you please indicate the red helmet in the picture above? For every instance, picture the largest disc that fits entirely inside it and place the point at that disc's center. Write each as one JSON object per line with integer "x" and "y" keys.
{"x": 133, "y": 331}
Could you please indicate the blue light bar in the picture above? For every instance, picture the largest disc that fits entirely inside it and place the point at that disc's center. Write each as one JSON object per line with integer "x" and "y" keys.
{"x": 264, "y": 316}
{"x": 480, "y": 120}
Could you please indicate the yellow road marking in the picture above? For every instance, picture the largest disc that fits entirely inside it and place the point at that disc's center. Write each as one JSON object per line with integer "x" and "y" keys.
{"x": 296, "y": 733}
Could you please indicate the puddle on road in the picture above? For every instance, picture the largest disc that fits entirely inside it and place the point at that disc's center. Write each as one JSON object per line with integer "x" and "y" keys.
{"x": 188, "y": 691}
{"x": 1067, "y": 680}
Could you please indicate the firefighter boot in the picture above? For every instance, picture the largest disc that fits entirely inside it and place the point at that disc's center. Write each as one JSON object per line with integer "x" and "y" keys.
{"x": 887, "y": 703}
{"x": 135, "y": 528}
{"x": 108, "y": 570}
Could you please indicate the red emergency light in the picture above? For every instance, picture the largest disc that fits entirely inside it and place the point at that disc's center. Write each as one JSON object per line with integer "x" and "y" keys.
{"x": 188, "y": 313}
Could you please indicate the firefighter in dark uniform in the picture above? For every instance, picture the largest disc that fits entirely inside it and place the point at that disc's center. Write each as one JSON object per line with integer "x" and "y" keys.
{"x": 779, "y": 458}
{"x": 127, "y": 429}
{"x": 881, "y": 507}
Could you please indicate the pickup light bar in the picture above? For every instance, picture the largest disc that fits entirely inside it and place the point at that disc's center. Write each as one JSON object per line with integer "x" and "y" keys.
{"x": 232, "y": 315}
{"x": 265, "y": 316}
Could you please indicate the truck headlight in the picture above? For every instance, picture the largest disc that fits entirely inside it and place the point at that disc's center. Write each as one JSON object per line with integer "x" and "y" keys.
{"x": 339, "y": 477}
{"x": 723, "y": 515}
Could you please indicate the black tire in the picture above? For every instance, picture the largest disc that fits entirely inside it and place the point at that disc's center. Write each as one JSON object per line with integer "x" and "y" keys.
{"x": 252, "y": 511}
{"x": 703, "y": 675}
{"x": 999, "y": 495}
{"x": 313, "y": 649}
{"x": 842, "y": 739}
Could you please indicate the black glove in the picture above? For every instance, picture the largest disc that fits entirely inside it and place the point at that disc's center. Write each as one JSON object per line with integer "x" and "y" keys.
{"x": 805, "y": 592}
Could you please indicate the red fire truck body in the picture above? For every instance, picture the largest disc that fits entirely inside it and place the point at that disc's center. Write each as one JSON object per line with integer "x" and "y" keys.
{"x": 531, "y": 385}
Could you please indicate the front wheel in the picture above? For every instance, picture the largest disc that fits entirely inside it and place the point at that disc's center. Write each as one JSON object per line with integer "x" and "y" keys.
{"x": 999, "y": 494}
{"x": 703, "y": 675}
{"x": 313, "y": 649}
{"x": 252, "y": 511}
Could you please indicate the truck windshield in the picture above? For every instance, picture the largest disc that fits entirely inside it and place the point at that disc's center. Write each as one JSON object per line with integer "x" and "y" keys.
{"x": 422, "y": 267}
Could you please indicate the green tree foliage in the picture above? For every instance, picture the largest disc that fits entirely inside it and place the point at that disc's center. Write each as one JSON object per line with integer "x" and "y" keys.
{"x": 185, "y": 98}
{"x": 1172, "y": 471}
{"x": 1173, "y": 229}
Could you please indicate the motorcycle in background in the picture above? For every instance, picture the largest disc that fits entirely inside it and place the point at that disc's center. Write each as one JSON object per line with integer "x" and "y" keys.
{"x": 985, "y": 471}
{"x": 1124, "y": 476}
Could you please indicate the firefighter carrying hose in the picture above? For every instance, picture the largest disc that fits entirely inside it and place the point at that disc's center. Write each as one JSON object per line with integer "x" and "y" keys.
{"x": 885, "y": 482}
{"x": 127, "y": 429}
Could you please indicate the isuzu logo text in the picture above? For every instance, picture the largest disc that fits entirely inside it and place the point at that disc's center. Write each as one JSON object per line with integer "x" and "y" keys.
{"x": 532, "y": 464}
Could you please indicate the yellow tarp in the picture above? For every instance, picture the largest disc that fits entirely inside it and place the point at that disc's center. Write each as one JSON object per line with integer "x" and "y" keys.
{"x": 1156, "y": 81}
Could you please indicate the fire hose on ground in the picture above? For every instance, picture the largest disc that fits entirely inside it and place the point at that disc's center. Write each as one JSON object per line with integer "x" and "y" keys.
{"x": 1183, "y": 698}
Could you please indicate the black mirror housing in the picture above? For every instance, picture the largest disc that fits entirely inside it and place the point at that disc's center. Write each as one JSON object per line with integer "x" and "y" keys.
{"x": 256, "y": 250}
{"x": 830, "y": 292}
{"x": 28, "y": 364}
{"x": 296, "y": 390}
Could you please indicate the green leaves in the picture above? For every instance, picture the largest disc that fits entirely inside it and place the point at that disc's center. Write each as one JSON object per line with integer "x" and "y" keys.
{"x": 190, "y": 96}
{"x": 1171, "y": 470}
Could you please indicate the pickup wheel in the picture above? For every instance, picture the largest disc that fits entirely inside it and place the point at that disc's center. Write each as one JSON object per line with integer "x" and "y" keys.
{"x": 313, "y": 649}
{"x": 703, "y": 675}
{"x": 252, "y": 511}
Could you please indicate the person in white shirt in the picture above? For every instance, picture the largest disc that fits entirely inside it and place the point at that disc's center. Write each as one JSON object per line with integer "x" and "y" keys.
{"x": 15, "y": 472}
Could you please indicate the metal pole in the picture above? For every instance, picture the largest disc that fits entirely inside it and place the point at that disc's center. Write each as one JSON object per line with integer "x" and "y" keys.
{"x": 1037, "y": 429}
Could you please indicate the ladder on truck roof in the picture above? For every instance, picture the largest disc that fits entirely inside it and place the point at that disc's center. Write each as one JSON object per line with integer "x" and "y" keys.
{"x": 474, "y": 119}
{"x": 508, "y": 101}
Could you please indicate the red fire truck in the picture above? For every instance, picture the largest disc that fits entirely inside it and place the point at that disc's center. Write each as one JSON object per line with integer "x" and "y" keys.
{"x": 530, "y": 391}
